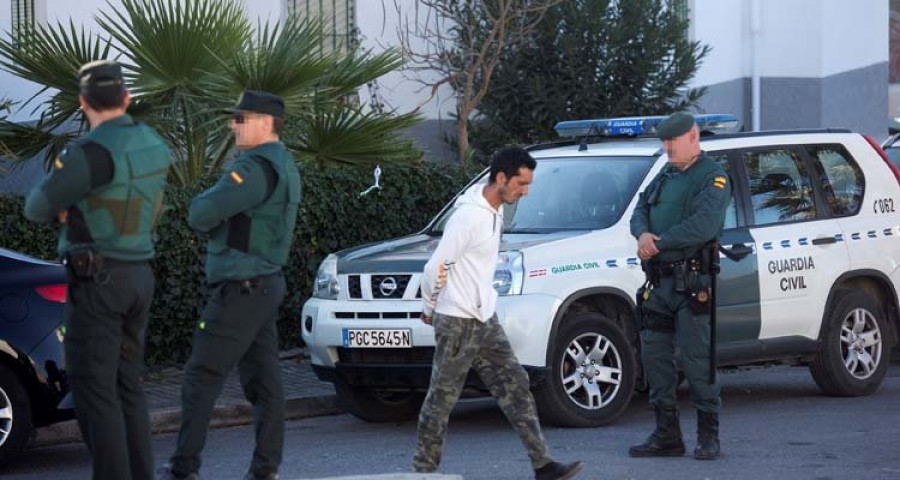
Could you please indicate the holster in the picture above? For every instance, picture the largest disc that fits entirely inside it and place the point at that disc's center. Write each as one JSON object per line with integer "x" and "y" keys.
{"x": 83, "y": 263}
{"x": 700, "y": 292}
{"x": 638, "y": 308}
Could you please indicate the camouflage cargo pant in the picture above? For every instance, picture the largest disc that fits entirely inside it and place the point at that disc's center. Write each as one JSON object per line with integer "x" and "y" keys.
{"x": 461, "y": 344}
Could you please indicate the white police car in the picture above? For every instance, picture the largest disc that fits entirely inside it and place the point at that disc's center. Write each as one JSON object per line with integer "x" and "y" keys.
{"x": 813, "y": 241}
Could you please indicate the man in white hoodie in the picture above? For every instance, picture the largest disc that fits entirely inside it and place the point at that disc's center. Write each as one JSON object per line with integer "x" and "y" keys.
{"x": 460, "y": 302}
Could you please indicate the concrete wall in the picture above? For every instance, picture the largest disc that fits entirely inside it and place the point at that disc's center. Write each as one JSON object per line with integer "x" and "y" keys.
{"x": 822, "y": 63}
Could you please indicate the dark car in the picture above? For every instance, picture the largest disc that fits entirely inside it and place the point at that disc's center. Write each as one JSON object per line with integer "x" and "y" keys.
{"x": 33, "y": 388}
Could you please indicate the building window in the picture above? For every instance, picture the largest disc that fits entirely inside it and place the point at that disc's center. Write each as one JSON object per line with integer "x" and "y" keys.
{"x": 338, "y": 19}
{"x": 23, "y": 21}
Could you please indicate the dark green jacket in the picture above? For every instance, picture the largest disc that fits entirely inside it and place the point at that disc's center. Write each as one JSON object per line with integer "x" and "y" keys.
{"x": 249, "y": 214}
{"x": 111, "y": 183}
{"x": 690, "y": 209}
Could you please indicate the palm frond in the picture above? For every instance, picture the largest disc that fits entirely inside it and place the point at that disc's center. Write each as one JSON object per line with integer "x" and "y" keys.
{"x": 51, "y": 59}
{"x": 351, "y": 136}
{"x": 282, "y": 59}
{"x": 168, "y": 42}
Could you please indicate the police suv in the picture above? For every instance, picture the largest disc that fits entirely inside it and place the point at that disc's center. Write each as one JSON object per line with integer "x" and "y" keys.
{"x": 809, "y": 273}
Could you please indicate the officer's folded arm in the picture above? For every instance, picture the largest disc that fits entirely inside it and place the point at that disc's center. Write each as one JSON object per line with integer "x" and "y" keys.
{"x": 68, "y": 182}
{"x": 242, "y": 187}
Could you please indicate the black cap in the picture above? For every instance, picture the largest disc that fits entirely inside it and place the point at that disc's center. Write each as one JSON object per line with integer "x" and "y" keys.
{"x": 259, "y": 102}
{"x": 675, "y": 125}
{"x": 100, "y": 73}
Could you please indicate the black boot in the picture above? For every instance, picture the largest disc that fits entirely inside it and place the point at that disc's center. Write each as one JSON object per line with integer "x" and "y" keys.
{"x": 707, "y": 436}
{"x": 558, "y": 471}
{"x": 166, "y": 473}
{"x": 665, "y": 441}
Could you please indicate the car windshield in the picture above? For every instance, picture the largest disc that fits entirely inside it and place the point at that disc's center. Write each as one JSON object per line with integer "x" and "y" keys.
{"x": 571, "y": 193}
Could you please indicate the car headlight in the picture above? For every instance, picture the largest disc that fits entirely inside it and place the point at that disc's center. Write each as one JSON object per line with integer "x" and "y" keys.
{"x": 510, "y": 273}
{"x": 327, "y": 286}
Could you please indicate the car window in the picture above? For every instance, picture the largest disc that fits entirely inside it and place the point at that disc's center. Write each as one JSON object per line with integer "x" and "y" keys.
{"x": 842, "y": 180}
{"x": 893, "y": 154}
{"x": 731, "y": 213}
{"x": 780, "y": 187}
{"x": 580, "y": 193}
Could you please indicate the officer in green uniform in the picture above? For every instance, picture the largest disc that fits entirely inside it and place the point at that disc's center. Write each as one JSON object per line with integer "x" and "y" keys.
{"x": 249, "y": 216}
{"x": 106, "y": 191}
{"x": 676, "y": 220}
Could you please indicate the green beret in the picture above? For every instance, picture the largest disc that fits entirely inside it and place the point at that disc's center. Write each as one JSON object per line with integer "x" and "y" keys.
{"x": 675, "y": 125}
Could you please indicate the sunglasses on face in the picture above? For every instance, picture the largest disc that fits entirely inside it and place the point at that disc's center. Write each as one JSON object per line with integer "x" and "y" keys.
{"x": 240, "y": 118}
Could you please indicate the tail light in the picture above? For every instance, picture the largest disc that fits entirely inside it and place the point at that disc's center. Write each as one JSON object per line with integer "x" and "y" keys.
{"x": 53, "y": 293}
{"x": 884, "y": 156}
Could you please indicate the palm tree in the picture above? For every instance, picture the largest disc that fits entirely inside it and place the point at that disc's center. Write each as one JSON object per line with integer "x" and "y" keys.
{"x": 187, "y": 59}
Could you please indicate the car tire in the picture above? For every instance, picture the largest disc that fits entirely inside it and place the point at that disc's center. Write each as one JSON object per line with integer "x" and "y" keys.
{"x": 853, "y": 355}
{"x": 379, "y": 406}
{"x": 15, "y": 416}
{"x": 569, "y": 397}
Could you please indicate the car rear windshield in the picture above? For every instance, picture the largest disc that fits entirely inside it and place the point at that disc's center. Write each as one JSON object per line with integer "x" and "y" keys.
{"x": 571, "y": 193}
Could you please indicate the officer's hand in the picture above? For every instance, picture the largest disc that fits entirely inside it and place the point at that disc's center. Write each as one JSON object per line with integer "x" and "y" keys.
{"x": 647, "y": 246}
{"x": 426, "y": 319}
{"x": 62, "y": 216}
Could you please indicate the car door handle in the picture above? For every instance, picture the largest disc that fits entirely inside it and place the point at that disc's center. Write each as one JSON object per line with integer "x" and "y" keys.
{"x": 736, "y": 251}
{"x": 824, "y": 240}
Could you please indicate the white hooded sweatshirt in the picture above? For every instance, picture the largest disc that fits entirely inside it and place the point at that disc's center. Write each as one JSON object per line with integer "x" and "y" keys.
{"x": 471, "y": 246}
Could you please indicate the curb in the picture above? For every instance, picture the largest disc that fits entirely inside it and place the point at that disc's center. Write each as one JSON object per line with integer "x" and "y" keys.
{"x": 169, "y": 420}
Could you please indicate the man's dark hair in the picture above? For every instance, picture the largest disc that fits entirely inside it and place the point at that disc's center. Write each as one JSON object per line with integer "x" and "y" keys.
{"x": 277, "y": 125}
{"x": 509, "y": 160}
{"x": 106, "y": 97}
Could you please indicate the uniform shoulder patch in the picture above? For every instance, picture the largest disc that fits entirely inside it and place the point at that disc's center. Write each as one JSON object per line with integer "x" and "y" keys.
{"x": 720, "y": 181}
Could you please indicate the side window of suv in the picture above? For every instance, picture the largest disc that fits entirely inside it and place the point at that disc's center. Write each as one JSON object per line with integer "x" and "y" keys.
{"x": 731, "y": 214}
{"x": 842, "y": 180}
{"x": 780, "y": 187}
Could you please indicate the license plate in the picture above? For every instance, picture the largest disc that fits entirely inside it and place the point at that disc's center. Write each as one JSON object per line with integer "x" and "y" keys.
{"x": 377, "y": 338}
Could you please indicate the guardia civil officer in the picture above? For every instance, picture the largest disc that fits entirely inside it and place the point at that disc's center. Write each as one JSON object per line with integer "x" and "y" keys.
{"x": 106, "y": 191}
{"x": 677, "y": 217}
{"x": 249, "y": 216}
{"x": 461, "y": 305}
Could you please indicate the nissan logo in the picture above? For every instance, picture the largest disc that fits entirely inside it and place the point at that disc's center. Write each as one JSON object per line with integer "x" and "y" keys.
{"x": 388, "y": 286}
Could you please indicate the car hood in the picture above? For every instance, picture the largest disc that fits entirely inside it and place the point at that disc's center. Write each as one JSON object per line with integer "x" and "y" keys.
{"x": 409, "y": 254}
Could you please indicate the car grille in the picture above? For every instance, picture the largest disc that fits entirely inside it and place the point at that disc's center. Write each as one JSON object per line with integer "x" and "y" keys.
{"x": 384, "y": 287}
{"x": 355, "y": 287}
{"x": 376, "y": 315}
{"x": 386, "y": 356}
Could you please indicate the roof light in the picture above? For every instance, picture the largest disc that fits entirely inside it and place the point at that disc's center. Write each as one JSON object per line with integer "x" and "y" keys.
{"x": 641, "y": 126}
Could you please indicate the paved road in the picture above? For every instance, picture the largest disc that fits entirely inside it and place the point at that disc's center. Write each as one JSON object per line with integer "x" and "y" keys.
{"x": 776, "y": 425}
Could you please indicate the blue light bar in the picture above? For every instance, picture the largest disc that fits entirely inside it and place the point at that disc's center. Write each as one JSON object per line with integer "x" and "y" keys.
{"x": 641, "y": 126}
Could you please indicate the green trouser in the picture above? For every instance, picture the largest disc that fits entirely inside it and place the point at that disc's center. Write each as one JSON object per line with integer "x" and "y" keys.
{"x": 691, "y": 334}
{"x": 238, "y": 326}
{"x": 105, "y": 326}
{"x": 461, "y": 344}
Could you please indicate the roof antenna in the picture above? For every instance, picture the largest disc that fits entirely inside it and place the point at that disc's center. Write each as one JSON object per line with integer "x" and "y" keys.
{"x": 583, "y": 145}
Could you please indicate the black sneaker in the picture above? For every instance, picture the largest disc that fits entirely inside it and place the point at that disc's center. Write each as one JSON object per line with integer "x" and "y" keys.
{"x": 558, "y": 471}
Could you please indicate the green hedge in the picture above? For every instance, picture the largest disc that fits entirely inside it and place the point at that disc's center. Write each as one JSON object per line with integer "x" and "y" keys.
{"x": 332, "y": 217}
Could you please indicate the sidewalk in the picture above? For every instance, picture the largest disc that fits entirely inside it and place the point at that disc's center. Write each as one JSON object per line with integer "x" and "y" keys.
{"x": 305, "y": 396}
